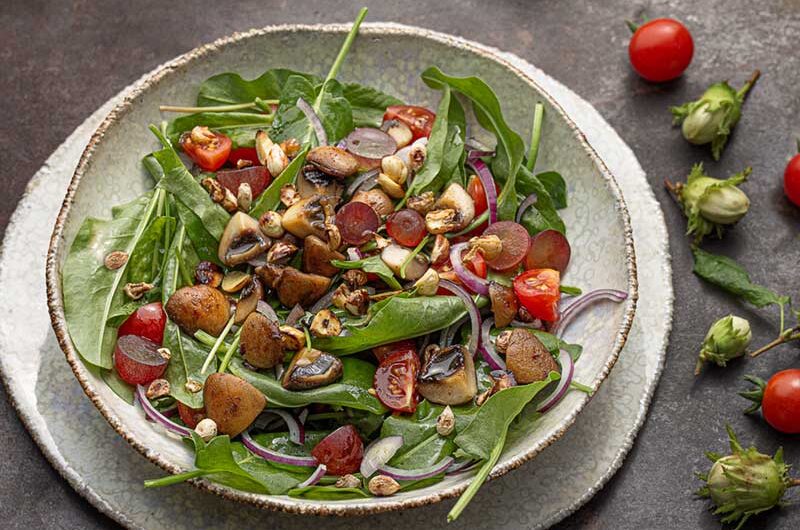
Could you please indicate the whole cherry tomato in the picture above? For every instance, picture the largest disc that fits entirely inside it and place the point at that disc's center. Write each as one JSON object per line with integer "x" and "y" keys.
{"x": 791, "y": 178}
{"x": 148, "y": 321}
{"x": 538, "y": 291}
{"x": 661, "y": 49}
{"x": 396, "y": 381}
{"x": 341, "y": 451}
{"x": 779, "y": 399}
{"x": 189, "y": 416}
{"x": 207, "y": 149}
{"x": 418, "y": 119}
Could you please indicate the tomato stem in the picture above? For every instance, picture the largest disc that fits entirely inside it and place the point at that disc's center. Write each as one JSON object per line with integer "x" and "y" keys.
{"x": 787, "y": 336}
{"x": 750, "y": 83}
{"x": 631, "y": 25}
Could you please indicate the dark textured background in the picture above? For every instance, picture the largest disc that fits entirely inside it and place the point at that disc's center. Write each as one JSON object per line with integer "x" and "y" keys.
{"x": 61, "y": 60}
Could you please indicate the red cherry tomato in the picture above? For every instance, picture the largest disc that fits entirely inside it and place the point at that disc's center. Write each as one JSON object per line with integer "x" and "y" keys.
{"x": 257, "y": 176}
{"x": 148, "y": 321}
{"x": 356, "y": 221}
{"x": 537, "y": 290}
{"x": 341, "y": 451}
{"x": 478, "y": 194}
{"x": 381, "y": 352}
{"x": 209, "y": 156}
{"x": 661, "y": 49}
{"x": 781, "y": 402}
{"x": 418, "y": 119}
{"x": 137, "y": 360}
{"x": 396, "y": 381}
{"x": 516, "y": 243}
{"x": 243, "y": 153}
{"x": 791, "y": 179}
{"x": 189, "y": 416}
{"x": 407, "y": 227}
{"x": 477, "y": 265}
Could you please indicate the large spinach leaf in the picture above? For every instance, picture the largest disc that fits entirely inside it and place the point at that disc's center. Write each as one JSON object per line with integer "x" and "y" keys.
{"x": 145, "y": 261}
{"x": 435, "y": 149}
{"x": 328, "y": 101}
{"x": 224, "y": 122}
{"x": 368, "y": 104}
{"x": 231, "y": 89}
{"x": 556, "y": 187}
{"x": 203, "y": 242}
{"x": 91, "y": 290}
{"x": 553, "y": 344}
{"x": 724, "y": 272}
{"x": 373, "y": 264}
{"x": 542, "y": 215}
{"x": 352, "y": 390}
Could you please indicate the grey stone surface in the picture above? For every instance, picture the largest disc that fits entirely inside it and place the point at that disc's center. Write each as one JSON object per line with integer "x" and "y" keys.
{"x": 61, "y": 60}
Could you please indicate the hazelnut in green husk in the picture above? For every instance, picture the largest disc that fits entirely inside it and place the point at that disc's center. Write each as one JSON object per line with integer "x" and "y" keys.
{"x": 711, "y": 118}
{"x": 727, "y": 339}
{"x": 745, "y": 482}
{"x": 711, "y": 204}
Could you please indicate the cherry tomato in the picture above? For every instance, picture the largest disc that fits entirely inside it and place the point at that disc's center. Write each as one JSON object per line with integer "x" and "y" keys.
{"x": 148, "y": 321}
{"x": 396, "y": 381}
{"x": 549, "y": 250}
{"x": 212, "y": 154}
{"x": 381, "y": 352}
{"x": 341, "y": 451}
{"x": 137, "y": 360}
{"x": 407, "y": 227}
{"x": 356, "y": 221}
{"x": 477, "y": 265}
{"x": 418, "y": 119}
{"x": 781, "y": 402}
{"x": 189, "y": 416}
{"x": 478, "y": 194}
{"x": 243, "y": 153}
{"x": 791, "y": 179}
{"x": 516, "y": 243}
{"x": 661, "y": 49}
{"x": 257, "y": 176}
{"x": 537, "y": 290}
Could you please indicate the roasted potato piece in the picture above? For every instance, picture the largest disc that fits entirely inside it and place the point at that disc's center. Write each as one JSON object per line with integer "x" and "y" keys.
{"x": 504, "y": 304}
{"x": 295, "y": 287}
{"x": 199, "y": 307}
{"x": 232, "y": 402}
{"x": 261, "y": 341}
{"x": 448, "y": 376}
{"x": 527, "y": 358}
{"x": 317, "y": 257}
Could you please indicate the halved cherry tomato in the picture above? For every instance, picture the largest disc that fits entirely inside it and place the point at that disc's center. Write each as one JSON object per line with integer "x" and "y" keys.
{"x": 210, "y": 155}
{"x": 478, "y": 194}
{"x": 243, "y": 153}
{"x": 396, "y": 381}
{"x": 341, "y": 451}
{"x": 381, "y": 352}
{"x": 661, "y": 49}
{"x": 538, "y": 291}
{"x": 781, "y": 402}
{"x": 189, "y": 416}
{"x": 148, "y": 322}
{"x": 257, "y": 176}
{"x": 477, "y": 265}
{"x": 418, "y": 119}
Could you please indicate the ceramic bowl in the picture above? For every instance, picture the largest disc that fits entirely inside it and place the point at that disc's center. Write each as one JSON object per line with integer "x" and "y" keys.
{"x": 390, "y": 57}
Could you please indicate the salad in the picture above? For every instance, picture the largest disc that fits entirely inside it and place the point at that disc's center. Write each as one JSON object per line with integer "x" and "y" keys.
{"x": 330, "y": 293}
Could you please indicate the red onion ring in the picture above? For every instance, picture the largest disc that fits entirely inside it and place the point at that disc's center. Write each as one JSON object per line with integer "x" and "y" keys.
{"x": 274, "y": 456}
{"x": 576, "y": 307}
{"x": 487, "y": 180}
{"x": 536, "y": 324}
{"x": 472, "y": 309}
{"x": 378, "y": 453}
{"x": 567, "y": 371}
{"x": 354, "y": 254}
{"x": 322, "y": 303}
{"x": 315, "y": 477}
{"x": 529, "y": 201}
{"x": 417, "y": 474}
{"x": 456, "y": 468}
{"x": 153, "y": 414}
{"x": 297, "y": 433}
{"x": 313, "y": 119}
{"x": 267, "y": 310}
{"x": 295, "y": 315}
{"x": 361, "y": 181}
{"x": 487, "y": 349}
{"x": 472, "y": 282}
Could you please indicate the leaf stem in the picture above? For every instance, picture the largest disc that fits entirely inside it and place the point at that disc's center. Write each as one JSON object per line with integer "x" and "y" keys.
{"x": 575, "y": 385}
{"x": 411, "y": 256}
{"x": 750, "y": 84}
{"x": 480, "y": 478}
{"x": 217, "y": 344}
{"x": 337, "y": 63}
{"x": 786, "y": 336}
{"x": 230, "y": 351}
{"x": 482, "y": 218}
{"x": 174, "y": 479}
{"x": 216, "y": 108}
{"x": 536, "y": 135}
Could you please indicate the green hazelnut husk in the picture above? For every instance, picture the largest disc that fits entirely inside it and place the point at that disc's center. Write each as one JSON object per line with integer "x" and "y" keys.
{"x": 727, "y": 339}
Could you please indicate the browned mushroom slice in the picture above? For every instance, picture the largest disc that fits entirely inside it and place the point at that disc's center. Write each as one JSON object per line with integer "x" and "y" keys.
{"x": 311, "y": 368}
{"x": 317, "y": 257}
{"x": 270, "y": 274}
{"x": 242, "y": 240}
{"x": 232, "y": 402}
{"x": 297, "y": 287}
{"x": 527, "y": 358}
{"x": 198, "y": 307}
{"x": 376, "y": 198}
{"x": 305, "y": 217}
{"x": 312, "y": 181}
{"x": 448, "y": 376}
{"x": 333, "y": 160}
{"x": 504, "y": 304}
{"x": 251, "y": 294}
{"x": 261, "y": 341}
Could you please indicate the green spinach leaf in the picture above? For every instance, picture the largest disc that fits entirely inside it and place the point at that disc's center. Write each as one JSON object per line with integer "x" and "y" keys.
{"x": 203, "y": 243}
{"x": 145, "y": 261}
{"x": 542, "y": 215}
{"x": 223, "y": 122}
{"x": 435, "y": 148}
{"x": 556, "y": 187}
{"x": 368, "y": 104}
{"x": 726, "y": 273}
{"x": 231, "y": 89}
{"x": 271, "y": 197}
{"x": 553, "y": 344}
{"x": 328, "y": 101}
{"x": 373, "y": 264}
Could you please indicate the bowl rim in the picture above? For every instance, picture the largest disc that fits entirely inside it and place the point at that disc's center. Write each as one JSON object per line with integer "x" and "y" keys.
{"x": 281, "y": 502}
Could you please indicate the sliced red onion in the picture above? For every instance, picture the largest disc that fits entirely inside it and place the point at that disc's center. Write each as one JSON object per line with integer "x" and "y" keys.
{"x": 576, "y": 307}
{"x": 152, "y": 413}
{"x": 322, "y": 303}
{"x": 365, "y": 181}
{"x": 536, "y": 324}
{"x": 279, "y": 369}
{"x": 487, "y": 349}
{"x": 417, "y": 474}
{"x": 315, "y": 477}
{"x": 295, "y": 315}
{"x": 463, "y": 466}
{"x": 378, "y": 453}
{"x": 529, "y": 201}
{"x": 297, "y": 433}
{"x": 567, "y": 371}
{"x": 489, "y": 187}
{"x": 472, "y": 309}
{"x": 473, "y": 282}
{"x": 267, "y": 310}
{"x": 303, "y": 416}
{"x": 354, "y": 254}
{"x": 274, "y": 456}
{"x": 313, "y": 119}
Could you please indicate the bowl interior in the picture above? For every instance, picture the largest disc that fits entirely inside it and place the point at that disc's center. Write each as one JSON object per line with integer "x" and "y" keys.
{"x": 391, "y": 58}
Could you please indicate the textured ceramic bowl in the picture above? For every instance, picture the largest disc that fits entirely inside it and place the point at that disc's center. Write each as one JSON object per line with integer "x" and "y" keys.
{"x": 390, "y": 57}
